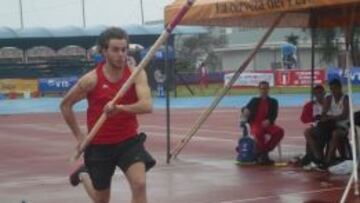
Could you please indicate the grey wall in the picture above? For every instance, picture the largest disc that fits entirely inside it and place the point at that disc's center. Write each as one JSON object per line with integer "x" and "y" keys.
{"x": 231, "y": 60}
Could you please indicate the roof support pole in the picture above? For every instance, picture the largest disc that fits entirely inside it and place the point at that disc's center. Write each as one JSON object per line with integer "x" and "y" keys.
{"x": 21, "y": 15}
{"x": 83, "y": 13}
{"x": 168, "y": 72}
{"x": 313, "y": 27}
{"x": 142, "y": 12}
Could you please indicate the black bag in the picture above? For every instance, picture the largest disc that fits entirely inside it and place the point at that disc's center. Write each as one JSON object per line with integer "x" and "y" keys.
{"x": 357, "y": 118}
{"x": 246, "y": 146}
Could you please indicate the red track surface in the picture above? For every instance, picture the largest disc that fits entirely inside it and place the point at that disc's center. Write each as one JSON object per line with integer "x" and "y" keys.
{"x": 35, "y": 149}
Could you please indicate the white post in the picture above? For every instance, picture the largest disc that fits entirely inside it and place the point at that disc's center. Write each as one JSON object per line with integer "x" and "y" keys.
{"x": 352, "y": 127}
{"x": 354, "y": 176}
{"x": 347, "y": 189}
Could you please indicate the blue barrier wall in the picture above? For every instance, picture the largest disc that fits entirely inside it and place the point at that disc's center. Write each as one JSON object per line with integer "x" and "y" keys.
{"x": 193, "y": 78}
{"x": 56, "y": 85}
{"x": 338, "y": 73}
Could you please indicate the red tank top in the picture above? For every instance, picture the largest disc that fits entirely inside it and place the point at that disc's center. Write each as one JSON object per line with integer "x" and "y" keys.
{"x": 262, "y": 111}
{"x": 119, "y": 127}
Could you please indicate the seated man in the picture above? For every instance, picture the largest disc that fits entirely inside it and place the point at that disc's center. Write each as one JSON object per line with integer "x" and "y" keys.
{"x": 261, "y": 113}
{"x": 336, "y": 110}
{"x": 316, "y": 135}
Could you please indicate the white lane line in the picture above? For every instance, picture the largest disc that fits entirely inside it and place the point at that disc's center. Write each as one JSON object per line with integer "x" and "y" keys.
{"x": 228, "y": 132}
{"x": 187, "y": 111}
{"x": 284, "y": 195}
{"x": 54, "y": 180}
{"x": 61, "y": 128}
{"x": 200, "y": 138}
{"x": 177, "y": 135}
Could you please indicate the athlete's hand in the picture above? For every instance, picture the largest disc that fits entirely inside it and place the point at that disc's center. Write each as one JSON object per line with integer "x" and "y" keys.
{"x": 245, "y": 112}
{"x": 266, "y": 123}
{"x": 110, "y": 109}
{"x": 325, "y": 118}
{"x": 80, "y": 138}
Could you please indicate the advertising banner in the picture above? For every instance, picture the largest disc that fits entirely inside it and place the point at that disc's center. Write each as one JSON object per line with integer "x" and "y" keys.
{"x": 51, "y": 85}
{"x": 339, "y": 74}
{"x": 250, "y": 79}
{"x": 18, "y": 85}
{"x": 298, "y": 77}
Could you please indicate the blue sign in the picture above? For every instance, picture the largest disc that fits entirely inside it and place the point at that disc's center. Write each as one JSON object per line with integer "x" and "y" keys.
{"x": 56, "y": 84}
{"x": 98, "y": 58}
{"x": 338, "y": 73}
{"x": 161, "y": 53}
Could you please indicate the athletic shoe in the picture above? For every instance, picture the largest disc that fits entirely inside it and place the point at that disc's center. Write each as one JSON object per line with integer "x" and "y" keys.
{"x": 315, "y": 167}
{"x": 309, "y": 167}
{"x": 264, "y": 159}
{"x": 322, "y": 167}
{"x": 74, "y": 177}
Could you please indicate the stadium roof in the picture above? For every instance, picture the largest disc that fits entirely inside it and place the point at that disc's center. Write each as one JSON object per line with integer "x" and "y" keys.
{"x": 73, "y": 31}
{"x": 84, "y": 37}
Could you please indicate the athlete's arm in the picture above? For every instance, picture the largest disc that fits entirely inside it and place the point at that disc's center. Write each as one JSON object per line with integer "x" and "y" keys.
{"x": 326, "y": 109}
{"x": 75, "y": 94}
{"x": 345, "y": 113}
{"x": 144, "y": 103}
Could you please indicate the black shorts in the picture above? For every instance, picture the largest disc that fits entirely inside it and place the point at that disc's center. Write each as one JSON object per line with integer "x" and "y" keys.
{"x": 101, "y": 160}
{"x": 321, "y": 136}
{"x": 323, "y": 132}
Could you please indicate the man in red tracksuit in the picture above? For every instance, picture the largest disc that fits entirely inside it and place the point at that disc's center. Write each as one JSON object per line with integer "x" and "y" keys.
{"x": 261, "y": 113}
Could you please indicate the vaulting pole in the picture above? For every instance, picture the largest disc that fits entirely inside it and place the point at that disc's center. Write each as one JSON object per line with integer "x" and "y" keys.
{"x": 144, "y": 62}
{"x": 223, "y": 92}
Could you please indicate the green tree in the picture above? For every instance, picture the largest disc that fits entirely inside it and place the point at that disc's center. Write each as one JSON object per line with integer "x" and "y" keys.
{"x": 328, "y": 42}
{"x": 292, "y": 39}
{"x": 189, "y": 49}
{"x": 355, "y": 48}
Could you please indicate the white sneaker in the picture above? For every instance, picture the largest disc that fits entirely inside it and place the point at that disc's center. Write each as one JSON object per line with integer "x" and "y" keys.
{"x": 311, "y": 166}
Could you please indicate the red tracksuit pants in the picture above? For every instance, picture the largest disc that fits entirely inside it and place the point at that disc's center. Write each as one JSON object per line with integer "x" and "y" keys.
{"x": 266, "y": 138}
